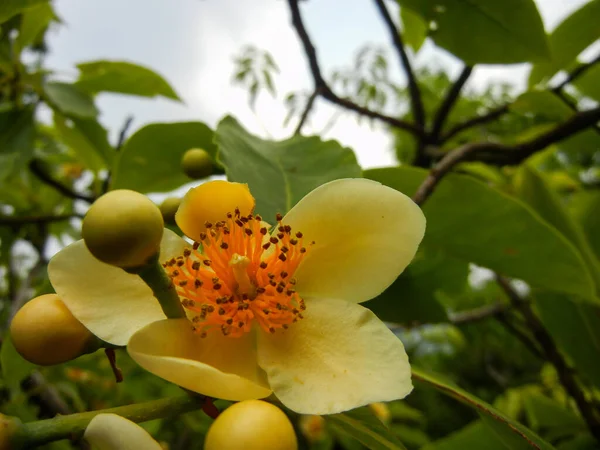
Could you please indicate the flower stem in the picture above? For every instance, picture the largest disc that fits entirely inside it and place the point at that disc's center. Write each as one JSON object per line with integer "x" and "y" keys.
{"x": 163, "y": 289}
{"x": 62, "y": 427}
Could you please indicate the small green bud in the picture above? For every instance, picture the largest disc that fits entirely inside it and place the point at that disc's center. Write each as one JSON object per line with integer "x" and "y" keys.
{"x": 123, "y": 228}
{"x": 197, "y": 164}
{"x": 168, "y": 208}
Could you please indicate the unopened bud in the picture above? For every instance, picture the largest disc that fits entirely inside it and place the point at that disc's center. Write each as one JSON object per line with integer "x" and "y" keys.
{"x": 168, "y": 208}
{"x": 123, "y": 228}
{"x": 381, "y": 411}
{"x": 45, "y": 332}
{"x": 312, "y": 427}
{"x": 251, "y": 425}
{"x": 197, "y": 164}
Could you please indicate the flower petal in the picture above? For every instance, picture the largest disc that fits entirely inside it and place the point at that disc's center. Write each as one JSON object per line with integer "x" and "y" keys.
{"x": 113, "y": 432}
{"x": 217, "y": 366}
{"x": 339, "y": 357}
{"x": 210, "y": 202}
{"x": 365, "y": 235}
{"x": 110, "y": 302}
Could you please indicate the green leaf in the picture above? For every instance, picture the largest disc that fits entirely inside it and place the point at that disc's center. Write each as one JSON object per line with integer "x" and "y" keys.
{"x": 150, "y": 160}
{"x": 34, "y": 21}
{"x": 585, "y": 209}
{"x": 124, "y": 78}
{"x": 472, "y": 221}
{"x": 588, "y": 83}
{"x": 573, "y": 35}
{"x": 505, "y": 428}
{"x": 575, "y": 326}
{"x": 14, "y": 367}
{"x": 533, "y": 189}
{"x": 482, "y": 31}
{"x": 542, "y": 104}
{"x": 70, "y": 100}
{"x": 476, "y": 435}
{"x": 84, "y": 138}
{"x": 414, "y": 29}
{"x": 545, "y": 413}
{"x": 17, "y": 133}
{"x": 413, "y": 297}
{"x": 10, "y": 8}
{"x": 280, "y": 173}
{"x": 365, "y": 427}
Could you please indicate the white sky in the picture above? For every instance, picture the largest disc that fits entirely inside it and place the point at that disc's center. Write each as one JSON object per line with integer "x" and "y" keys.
{"x": 192, "y": 42}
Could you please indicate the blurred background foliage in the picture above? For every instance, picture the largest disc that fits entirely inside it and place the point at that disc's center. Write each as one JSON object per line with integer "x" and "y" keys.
{"x": 528, "y": 209}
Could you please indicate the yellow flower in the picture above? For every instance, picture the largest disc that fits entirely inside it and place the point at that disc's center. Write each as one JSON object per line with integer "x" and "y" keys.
{"x": 113, "y": 432}
{"x": 267, "y": 312}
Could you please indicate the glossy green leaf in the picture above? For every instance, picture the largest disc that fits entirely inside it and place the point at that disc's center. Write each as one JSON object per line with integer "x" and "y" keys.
{"x": 414, "y": 29}
{"x": 573, "y": 35}
{"x": 589, "y": 83}
{"x": 575, "y": 326}
{"x": 472, "y": 221}
{"x": 17, "y": 132}
{"x": 362, "y": 425}
{"x": 280, "y": 173}
{"x": 535, "y": 191}
{"x": 482, "y": 31}
{"x": 150, "y": 160}
{"x": 124, "y": 78}
{"x": 70, "y": 100}
{"x": 10, "y": 8}
{"x": 506, "y": 428}
{"x": 476, "y": 435}
{"x": 14, "y": 367}
{"x": 84, "y": 139}
{"x": 34, "y": 21}
{"x": 413, "y": 297}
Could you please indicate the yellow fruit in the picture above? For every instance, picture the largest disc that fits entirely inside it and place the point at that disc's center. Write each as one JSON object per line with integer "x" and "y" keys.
{"x": 251, "y": 425}
{"x": 197, "y": 163}
{"x": 123, "y": 228}
{"x": 45, "y": 332}
{"x": 168, "y": 208}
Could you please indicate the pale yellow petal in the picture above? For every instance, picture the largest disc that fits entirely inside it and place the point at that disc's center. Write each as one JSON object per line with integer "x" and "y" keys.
{"x": 210, "y": 202}
{"x": 217, "y": 366}
{"x": 365, "y": 235}
{"x": 339, "y": 357}
{"x": 113, "y": 432}
{"x": 110, "y": 302}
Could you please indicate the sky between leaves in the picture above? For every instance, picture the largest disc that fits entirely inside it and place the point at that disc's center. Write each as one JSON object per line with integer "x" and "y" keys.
{"x": 192, "y": 43}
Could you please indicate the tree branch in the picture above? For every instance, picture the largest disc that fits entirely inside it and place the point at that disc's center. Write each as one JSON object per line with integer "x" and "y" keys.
{"x": 477, "y": 314}
{"x": 36, "y": 168}
{"x": 448, "y": 102}
{"x": 323, "y": 88}
{"x": 307, "y": 109}
{"x": 416, "y": 102}
{"x": 490, "y": 116}
{"x": 17, "y": 221}
{"x": 576, "y": 73}
{"x": 505, "y": 154}
{"x": 552, "y": 354}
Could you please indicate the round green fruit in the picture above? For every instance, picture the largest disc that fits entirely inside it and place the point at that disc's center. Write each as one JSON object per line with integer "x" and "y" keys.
{"x": 197, "y": 164}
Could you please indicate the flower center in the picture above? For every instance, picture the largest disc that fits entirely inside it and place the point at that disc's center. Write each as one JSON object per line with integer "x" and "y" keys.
{"x": 241, "y": 276}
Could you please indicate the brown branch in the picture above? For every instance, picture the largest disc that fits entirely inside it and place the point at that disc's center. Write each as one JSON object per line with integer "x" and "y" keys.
{"x": 17, "y": 221}
{"x": 416, "y": 102}
{"x": 553, "y": 355}
{"x": 323, "y": 88}
{"x": 520, "y": 335}
{"x": 37, "y": 169}
{"x": 477, "y": 314}
{"x": 307, "y": 109}
{"x": 490, "y": 116}
{"x": 448, "y": 102}
{"x": 505, "y": 154}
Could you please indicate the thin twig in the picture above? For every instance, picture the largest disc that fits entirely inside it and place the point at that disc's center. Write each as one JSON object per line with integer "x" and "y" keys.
{"x": 510, "y": 155}
{"x": 520, "y": 335}
{"x": 553, "y": 355}
{"x": 477, "y": 314}
{"x": 451, "y": 96}
{"x": 17, "y": 221}
{"x": 37, "y": 169}
{"x": 307, "y": 109}
{"x": 324, "y": 89}
{"x": 576, "y": 73}
{"x": 490, "y": 116}
{"x": 120, "y": 142}
{"x": 416, "y": 102}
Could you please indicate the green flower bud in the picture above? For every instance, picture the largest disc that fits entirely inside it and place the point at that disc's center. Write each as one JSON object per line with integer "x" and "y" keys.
{"x": 197, "y": 164}
{"x": 168, "y": 208}
{"x": 123, "y": 228}
{"x": 45, "y": 332}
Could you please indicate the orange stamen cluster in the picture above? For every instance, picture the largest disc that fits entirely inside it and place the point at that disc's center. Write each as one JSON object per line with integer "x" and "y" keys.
{"x": 240, "y": 276}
